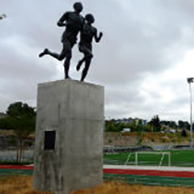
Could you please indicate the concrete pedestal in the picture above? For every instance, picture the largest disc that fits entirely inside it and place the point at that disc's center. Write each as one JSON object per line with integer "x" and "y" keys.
{"x": 69, "y": 136}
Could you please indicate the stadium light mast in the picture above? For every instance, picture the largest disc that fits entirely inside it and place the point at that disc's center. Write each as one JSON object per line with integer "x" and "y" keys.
{"x": 190, "y": 80}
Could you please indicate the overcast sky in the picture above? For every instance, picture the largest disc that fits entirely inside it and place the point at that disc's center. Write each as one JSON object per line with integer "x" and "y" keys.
{"x": 143, "y": 59}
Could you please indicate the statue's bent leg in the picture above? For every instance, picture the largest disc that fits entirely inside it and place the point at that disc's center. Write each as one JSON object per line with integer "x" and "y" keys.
{"x": 87, "y": 55}
{"x": 85, "y": 70}
{"x": 82, "y": 50}
{"x": 80, "y": 63}
{"x": 60, "y": 56}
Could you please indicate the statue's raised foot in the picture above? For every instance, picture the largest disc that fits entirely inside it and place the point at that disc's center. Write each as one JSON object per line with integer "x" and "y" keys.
{"x": 46, "y": 51}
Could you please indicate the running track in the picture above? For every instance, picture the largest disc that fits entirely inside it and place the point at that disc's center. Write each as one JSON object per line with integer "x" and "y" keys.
{"x": 112, "y": 170}
{"x": 133, "y": 174}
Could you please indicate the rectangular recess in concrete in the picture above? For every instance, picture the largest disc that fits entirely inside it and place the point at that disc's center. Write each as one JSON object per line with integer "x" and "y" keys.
{"x": 49, "y": 140}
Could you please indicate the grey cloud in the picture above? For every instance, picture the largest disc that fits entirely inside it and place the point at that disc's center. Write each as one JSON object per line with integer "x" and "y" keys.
{"x": 139, "y": 37}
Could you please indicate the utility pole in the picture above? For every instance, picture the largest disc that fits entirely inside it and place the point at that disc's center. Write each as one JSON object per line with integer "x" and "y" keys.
{"x": 190, "y": 80}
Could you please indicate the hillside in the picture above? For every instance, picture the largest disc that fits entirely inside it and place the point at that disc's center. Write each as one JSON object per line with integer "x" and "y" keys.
{"x": 146, "y": 138}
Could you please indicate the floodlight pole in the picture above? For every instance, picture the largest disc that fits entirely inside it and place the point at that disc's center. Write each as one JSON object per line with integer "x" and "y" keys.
{"x": 190, "y": 80}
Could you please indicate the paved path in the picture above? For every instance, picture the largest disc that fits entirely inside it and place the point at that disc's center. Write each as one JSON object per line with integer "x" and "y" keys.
{"x": 162, "y": 168}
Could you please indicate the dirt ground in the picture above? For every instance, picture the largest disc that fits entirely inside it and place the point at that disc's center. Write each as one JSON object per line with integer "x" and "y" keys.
{"x": 23, "y": 185}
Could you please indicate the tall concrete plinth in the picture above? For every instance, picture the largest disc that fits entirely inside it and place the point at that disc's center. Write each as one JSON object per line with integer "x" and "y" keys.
{"x": 69, "y": 136}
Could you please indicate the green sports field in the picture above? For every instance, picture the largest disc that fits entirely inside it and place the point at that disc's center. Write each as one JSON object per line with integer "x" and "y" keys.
{"x": 182, "y": 158}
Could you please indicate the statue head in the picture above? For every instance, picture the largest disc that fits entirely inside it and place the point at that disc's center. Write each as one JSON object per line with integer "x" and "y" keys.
{"x": 90, "y": 18}
{"x": 78, "y": 7}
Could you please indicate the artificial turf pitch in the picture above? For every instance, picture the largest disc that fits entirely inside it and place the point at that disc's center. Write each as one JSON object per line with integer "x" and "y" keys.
{"x": 179, "y": 158}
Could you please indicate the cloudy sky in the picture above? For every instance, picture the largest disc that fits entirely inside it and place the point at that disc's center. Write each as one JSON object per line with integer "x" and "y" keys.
{"x": 143, "y": 59}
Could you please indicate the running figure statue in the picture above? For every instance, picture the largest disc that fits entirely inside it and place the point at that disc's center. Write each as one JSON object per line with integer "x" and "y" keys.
{"x": 85, "y": 45}
{"x": 73, "y": 22}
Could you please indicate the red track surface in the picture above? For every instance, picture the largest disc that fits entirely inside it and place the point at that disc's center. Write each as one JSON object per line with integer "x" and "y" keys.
{"x": 185, "y": 174}
{"x": 16, "y": 167}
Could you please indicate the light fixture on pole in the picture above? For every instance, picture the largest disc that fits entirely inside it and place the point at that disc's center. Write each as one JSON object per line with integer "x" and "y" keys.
{"x": 190, "y": 80}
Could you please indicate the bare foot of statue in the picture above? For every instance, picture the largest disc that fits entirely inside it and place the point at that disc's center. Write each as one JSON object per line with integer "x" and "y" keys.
{"x": 67, "y": 77}
{"x": 46, "y": 51}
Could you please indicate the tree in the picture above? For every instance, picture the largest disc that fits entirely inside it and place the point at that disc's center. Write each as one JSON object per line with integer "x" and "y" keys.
{"x": 173, "y": 124}
{"x": 155, "y": 123}
{"x": 110, "y": 126}
{"x": 5, "y": 123}
{"x": 120, "y": 127}
{"x": 22, "y": 121}
{"x": 187, "y": 125}
{"x": 184, "y": 133}
{"x": 181, "y": 124}
{"x": 132, "y": 125}
{"x": 139, "y": 129}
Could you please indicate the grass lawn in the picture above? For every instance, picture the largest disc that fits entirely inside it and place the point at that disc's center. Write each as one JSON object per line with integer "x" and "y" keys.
{"x": 182, "y": 158}
{"x": 23, "y": 185}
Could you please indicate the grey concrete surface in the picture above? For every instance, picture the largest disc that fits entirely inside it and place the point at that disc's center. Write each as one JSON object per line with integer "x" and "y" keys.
{"x": 75, "y": 111}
